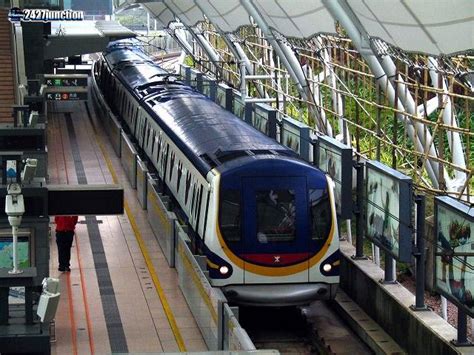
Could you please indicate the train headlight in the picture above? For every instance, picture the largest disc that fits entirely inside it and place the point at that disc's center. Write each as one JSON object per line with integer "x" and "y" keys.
{"x": 327, "y": 267}
{"x": 223, "y": 270}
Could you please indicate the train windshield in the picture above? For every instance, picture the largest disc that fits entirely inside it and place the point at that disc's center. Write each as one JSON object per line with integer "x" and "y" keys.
{"x": 320, "y": 210}
{"x": 230, "y": 215}
{"x": 276, "y": 212}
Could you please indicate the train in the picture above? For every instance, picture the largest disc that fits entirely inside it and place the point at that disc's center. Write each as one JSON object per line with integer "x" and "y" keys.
{"x": 264, "y": 218}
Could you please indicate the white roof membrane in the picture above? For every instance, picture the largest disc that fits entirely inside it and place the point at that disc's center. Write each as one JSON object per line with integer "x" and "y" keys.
{"x": 161, "y": 13}
{"x": 428, "y": 26}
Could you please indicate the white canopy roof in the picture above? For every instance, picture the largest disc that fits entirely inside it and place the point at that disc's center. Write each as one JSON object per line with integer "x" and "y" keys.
{"x": 429, "y": 26}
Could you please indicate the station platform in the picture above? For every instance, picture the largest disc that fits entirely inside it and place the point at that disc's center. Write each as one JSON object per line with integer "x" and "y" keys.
{"x": 120, "y": 296}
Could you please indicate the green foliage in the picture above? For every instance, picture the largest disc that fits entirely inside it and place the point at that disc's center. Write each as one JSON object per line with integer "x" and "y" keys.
{"x": 136, "y": 16}
{"x": 189, "y": 61}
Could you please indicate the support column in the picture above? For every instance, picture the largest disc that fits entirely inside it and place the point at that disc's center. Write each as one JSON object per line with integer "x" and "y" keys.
{"x": 359, "y": 213}
{"x": 178, "y": 33}
{"x": 389, "y": 269}
{"x": 420, "y": 254}
{"x": 462, "y": 330}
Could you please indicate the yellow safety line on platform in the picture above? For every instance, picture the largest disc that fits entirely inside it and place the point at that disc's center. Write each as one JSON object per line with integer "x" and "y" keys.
{"x": 146, "y": 256}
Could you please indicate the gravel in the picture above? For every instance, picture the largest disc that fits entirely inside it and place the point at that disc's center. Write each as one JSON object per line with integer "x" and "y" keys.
{"x": 433, "y": 301}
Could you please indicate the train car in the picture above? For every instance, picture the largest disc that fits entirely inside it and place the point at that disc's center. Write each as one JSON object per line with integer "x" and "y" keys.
{"x": 264, "y": 218}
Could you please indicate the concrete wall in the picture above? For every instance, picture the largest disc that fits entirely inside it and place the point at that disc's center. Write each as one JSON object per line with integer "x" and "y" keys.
{"x": 417, "y": 332}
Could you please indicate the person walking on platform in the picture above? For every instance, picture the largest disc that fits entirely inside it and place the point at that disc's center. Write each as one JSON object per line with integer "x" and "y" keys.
{"x": 65, "y": 226}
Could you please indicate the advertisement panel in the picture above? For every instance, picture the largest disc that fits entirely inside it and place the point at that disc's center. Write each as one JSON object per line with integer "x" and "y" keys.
{"x": 224, "y": 96}
{"x": 454, "y": 257}
{"x": 264, "y": 118}
{"x": 335, "y": 159}
{"x": 389, "y": 210}
{"x": 295, "y": 135}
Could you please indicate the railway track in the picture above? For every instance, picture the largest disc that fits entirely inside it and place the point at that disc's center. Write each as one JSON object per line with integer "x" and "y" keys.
{"x": 315, "y": 329}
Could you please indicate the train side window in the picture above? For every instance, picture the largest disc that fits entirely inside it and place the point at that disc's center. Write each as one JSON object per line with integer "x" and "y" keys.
{"x": 198, "y": 208}
{"x": 229, "y": 216}
{"x": 320, "y": 210}
{"x": 172, "y": 158}
{"x": 206, "y": 214}
{"x": 124, "y": 104}
{"x": 192, "y": 201}
{"x": 196, "y": 202}
{"x": 188, "y": 185}
{"x": 164, "y": 160}
{"x": 147, "y": 135}
{"x": 158, "y": 147}
{"x": 114, "y": 88}
{"x": 135, "y": 122}
{"x": 132, "y": 110}
{"x": 180, "y": 173}
{"x": 276, "y": 216}
{"x": 140, "y": 125}
{"x": 150, "y": 138}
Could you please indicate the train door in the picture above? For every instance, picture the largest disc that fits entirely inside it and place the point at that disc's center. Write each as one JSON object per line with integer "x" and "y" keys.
{"x": 275, "y": 230}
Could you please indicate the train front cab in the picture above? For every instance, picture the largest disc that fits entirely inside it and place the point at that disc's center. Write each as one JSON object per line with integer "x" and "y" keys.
{"x": 276, "y": 225}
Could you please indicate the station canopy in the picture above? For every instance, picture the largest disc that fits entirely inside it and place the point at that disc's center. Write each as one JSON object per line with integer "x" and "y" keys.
{"x": 427, "y": 26}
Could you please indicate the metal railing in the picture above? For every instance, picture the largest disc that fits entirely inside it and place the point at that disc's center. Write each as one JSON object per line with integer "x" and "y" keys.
{"x": 158, "y": 43}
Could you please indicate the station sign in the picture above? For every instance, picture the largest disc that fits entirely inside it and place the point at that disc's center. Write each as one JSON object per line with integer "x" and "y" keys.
{"x": 66, "y": 94}
{"x": 65, "y": 80}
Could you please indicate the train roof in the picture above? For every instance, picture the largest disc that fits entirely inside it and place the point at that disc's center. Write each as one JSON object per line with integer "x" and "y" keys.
{"x": 139, "y": 74}
{"x": 207, "y": 133}
{"x": 210, "y": 131}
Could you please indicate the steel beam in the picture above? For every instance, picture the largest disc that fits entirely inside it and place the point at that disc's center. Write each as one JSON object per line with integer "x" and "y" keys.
{"x": 289, "y": 60}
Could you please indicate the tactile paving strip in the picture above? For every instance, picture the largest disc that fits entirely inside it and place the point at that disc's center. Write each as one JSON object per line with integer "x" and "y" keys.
{"x": 117, "y": 339}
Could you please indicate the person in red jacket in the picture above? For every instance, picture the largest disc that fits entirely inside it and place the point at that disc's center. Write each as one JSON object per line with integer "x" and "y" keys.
{"x": 65, "y": 226}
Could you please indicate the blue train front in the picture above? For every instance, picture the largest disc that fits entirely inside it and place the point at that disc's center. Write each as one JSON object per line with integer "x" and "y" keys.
{"x": 264, "y": 218}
